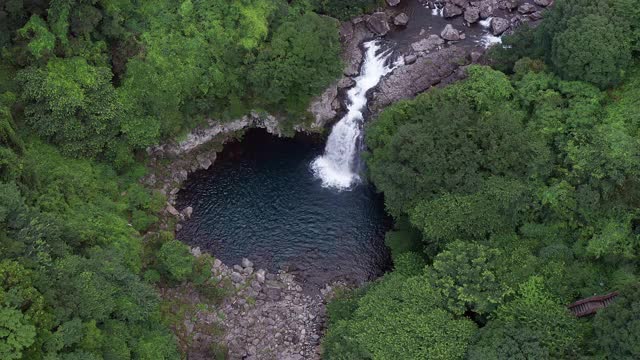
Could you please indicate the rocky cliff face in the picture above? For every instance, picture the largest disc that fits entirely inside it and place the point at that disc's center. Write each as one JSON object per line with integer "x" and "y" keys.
{"x": 411, "y": 79}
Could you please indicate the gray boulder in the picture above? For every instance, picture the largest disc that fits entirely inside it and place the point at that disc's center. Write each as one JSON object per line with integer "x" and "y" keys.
{"x": 471, "y": 14}
{"x": 508, "y": 4}
{"x": 543, "y": 3}
{"x": 449, "y": 33}
{"x": 526, "y": 9}
{"x": 410, "y": 59}
{"x": 325, "y": 107}
{"x": 536, "y": 15}
{"x": 486, "y": 9}
{"x": 460, "y": 3}
{"x": 428, "y": 44}
{"x": 378, "y": 23}
{"x": 451, "y": 10}
{"x": 393, "y": 2}
{"x": 499, "y": 25}
{"x": 401, "y": 19}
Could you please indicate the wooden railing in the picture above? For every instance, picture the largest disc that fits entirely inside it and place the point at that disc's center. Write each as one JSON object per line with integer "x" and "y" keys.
{"x": 590, "y": 306}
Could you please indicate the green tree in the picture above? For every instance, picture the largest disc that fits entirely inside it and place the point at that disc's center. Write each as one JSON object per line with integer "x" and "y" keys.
{"x": 176, "y": 260}
{"x": 617, "y": 328}
{"x": 72, "y": 104}
{"x": 16, "y": 333}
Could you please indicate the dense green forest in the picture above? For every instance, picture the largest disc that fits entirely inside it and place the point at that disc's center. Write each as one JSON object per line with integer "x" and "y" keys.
{"x": 515, "y": 193}
{"x": 85, "y": 87}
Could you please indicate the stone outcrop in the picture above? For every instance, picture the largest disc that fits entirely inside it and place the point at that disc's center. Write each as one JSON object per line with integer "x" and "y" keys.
{"x": 409, "y": 80}
{"x": 378, "y": 23}
{"x": 352, "y": 34}
{"x": 325, "y": 107}
{"x": 451, "y": 10}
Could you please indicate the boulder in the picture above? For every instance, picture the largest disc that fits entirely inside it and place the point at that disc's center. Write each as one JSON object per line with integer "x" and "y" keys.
{"x": 471, "y": 14}
{"x": 203, "y": 161}
{"x": 187, "y": 212}
{"x": 428, "y": 44}
{"x": 236, "y": 277}
{"x": 246, "y": 263}
{"x": 401, "y": 19}
{"x": 460, "y": 3}
{"x": 393, "y": 2}
{"x": 526, "y": 9}
{"x": 172, "y": 210}
{"x": 508, "y": 4}
{"x": 535, "y": 16}
{"x": 499, "y": 25}
{"x": 451, "y": 10}
{"x": 543, "y": 3}
{"x": 378, "y": 23}
{"x": 410, "y": 59}
{"x": 260, "y": 275}
{"x": 449, "y": 33}
{"x": 409, "y": 80}
{"x": 486, "y": 9}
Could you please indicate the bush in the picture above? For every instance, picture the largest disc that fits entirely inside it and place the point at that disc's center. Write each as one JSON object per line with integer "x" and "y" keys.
{"x": 176, "y": 260}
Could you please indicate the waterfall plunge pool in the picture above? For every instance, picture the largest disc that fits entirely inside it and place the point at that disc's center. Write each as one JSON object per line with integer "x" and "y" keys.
{"x": 262, "y": 201}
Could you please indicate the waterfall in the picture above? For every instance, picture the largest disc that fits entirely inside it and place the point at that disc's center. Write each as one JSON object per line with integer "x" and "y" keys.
{"x": 336, "y": 167}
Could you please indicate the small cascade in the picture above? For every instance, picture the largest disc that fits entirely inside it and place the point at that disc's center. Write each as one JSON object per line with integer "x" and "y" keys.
{"x": 336, "y": 168}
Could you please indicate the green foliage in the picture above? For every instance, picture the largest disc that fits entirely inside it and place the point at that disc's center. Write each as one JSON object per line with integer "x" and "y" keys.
{"x": 176, "y": 260}
{"x": 299, "y": 62}
{"x": 72, "y": 104}
{"x": 345, "y": 10}
{"x": 41, "y": 40}
{"x": 617, "y": 328}
{"x": 16, "y": 334}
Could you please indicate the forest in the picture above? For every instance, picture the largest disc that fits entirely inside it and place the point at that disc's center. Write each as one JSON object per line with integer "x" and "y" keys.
{"x": 514, "y": 192}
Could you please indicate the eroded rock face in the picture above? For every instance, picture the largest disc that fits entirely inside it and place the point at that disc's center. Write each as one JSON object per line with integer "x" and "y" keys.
{"x": 409, "y": 80}
{"x": 325, "y": 107}
{"x": 352, "y": 34}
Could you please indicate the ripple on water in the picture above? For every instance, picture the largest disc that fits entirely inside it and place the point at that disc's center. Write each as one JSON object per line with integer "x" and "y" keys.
{"x": 261, "y": 201}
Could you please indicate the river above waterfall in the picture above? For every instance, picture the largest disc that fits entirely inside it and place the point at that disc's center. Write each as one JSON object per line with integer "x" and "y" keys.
{"x": 261, "y": 201}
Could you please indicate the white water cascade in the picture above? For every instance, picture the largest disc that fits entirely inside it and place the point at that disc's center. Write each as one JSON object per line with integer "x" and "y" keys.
{"x": 336, "y": 167}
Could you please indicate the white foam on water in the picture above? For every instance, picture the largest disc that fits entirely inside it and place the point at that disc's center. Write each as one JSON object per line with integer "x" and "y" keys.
{"x": 336, "y": 167}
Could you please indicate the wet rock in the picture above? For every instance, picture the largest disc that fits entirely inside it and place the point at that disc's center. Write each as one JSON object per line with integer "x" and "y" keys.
{"x": 449, "y": 33}
{"x": 428, "y": 44}
{"x": 377, "y": 22}
{"x": 393, "y": 2}
{"x": 410, "y": 80}
{"x": 543, "y": 3}
{"x": 352, "y": 34}
{"x": 345, "y": 83}
{"x": 460, "y": 3}
{"x": 499, "y": 26}
{"x": 323, "y": 107}
{"x": 401, "y": 19}
{"x": 471, "y": 15}
{"x": 246, "y": 263}
{"x": 187, "y": 212}
{"x": 451, "y": 10}
{"x": 172, "y": 210}
{"x": 526, "y": 9}
{"x": 410, "y": 59}
{"x": 486, "y": 9}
